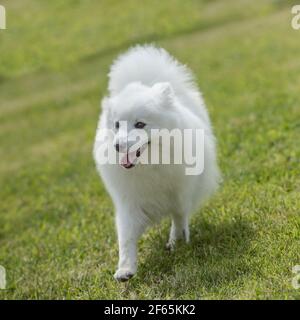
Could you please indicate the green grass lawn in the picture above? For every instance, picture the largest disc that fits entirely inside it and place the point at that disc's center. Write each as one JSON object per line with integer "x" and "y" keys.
{"x": 57, "y": 234}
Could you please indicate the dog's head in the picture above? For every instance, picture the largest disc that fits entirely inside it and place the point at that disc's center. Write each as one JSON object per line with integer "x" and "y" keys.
{"x": 134, "y": 112}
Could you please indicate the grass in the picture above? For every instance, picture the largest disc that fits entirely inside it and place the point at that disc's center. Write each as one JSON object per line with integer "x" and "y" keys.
{"x": 57, "y": 236}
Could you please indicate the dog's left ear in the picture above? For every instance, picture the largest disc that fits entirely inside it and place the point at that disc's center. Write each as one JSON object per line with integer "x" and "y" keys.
{"x": 164, "y": 92}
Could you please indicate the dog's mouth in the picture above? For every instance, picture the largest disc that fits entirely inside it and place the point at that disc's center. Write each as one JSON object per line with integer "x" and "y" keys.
{"x": 129, "y": 160}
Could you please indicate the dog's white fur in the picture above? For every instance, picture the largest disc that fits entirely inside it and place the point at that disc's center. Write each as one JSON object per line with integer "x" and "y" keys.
{"x": 147, "y": 83}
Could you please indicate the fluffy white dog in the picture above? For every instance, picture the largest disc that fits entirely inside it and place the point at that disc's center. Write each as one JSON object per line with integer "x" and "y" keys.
{"x": 149, "y": 89}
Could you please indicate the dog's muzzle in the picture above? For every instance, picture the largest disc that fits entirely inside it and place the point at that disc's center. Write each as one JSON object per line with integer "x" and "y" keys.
{"x": 129, "y": 159}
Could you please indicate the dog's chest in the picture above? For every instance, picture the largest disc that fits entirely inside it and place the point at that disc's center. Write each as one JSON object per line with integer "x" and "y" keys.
{"x": 156, "y": 192}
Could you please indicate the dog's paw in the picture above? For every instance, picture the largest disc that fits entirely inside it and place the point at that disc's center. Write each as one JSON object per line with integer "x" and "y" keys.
{"x": 170, "y": 246}
{"x": 123, "y": 275}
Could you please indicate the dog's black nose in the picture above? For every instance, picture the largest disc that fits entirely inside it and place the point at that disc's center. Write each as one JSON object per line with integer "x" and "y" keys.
{"x": 117, "y": 146}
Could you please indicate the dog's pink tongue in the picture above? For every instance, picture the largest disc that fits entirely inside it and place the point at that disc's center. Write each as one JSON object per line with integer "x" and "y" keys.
{"x": 128, "y": 159}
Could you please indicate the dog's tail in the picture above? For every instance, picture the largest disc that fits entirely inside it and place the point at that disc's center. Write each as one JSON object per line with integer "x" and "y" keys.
{"x": 149, "y": 65}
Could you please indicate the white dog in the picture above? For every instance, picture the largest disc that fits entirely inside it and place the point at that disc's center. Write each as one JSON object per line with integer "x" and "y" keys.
{"x": 148, "y": 89}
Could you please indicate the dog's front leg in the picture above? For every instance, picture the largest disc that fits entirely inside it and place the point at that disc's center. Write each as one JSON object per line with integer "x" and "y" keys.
{"x": 129, "y": 229}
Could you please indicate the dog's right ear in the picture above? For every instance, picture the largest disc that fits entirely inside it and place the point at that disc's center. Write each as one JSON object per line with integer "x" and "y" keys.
{"x": 164, "y": 92}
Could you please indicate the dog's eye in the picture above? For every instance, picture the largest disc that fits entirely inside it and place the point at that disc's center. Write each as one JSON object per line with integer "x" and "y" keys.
{"x": 139, "y": 125}
{"x": 117, "y": 125}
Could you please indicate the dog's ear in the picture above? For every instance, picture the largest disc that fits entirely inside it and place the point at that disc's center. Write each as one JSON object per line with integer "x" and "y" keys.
{"x": 164, "y": 92}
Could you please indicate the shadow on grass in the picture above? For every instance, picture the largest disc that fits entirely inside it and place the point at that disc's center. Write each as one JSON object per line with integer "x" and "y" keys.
{"x": 155, "y": 37}
{"x": 214, "y": 257}
{"x": 158, "y": 36}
